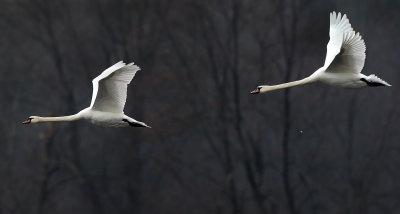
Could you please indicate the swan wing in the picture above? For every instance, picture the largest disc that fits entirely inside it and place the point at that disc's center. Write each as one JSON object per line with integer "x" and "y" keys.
{"x": 339, "y": 25}
{"x": 110, "y": 87}
{"x": 352, "y": 55}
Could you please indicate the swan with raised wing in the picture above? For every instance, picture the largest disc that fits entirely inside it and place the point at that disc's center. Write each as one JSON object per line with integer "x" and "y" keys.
{"x": 344, "y": 61}
{"x": 108, "y": 100}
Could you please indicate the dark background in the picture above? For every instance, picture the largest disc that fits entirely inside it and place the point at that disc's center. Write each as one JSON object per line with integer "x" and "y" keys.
{"x": 213, "y": 147}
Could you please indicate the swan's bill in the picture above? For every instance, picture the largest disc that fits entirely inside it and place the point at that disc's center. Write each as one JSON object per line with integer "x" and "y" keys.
{"x": 256, "y": 91}
{"x": 31, "y": 119}
{"x": 27, "y": 121}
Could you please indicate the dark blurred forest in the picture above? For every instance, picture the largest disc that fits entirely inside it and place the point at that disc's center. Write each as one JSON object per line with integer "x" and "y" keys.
{"x": 213, "y": 148}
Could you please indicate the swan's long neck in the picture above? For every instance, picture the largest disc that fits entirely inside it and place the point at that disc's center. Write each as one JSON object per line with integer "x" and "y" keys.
{"x": 266, "y": 88}
{"x": 62, "y": 118}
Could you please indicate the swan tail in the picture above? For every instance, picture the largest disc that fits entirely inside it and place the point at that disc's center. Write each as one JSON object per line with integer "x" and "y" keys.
{"x": 373, "y": 80}
{"x": 135, "y": 123}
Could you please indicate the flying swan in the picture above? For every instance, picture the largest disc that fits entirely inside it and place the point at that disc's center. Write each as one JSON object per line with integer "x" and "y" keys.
{"x": 344, "y": 61}
{"x": 108, "y": 100}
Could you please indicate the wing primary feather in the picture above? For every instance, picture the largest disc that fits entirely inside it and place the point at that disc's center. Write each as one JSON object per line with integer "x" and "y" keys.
{"x": 339, "y": 27}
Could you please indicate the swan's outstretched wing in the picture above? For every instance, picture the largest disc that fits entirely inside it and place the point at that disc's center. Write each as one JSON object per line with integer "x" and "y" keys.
{"x": 352, "y": 55}
{"x": 110, "y": 87}
{"x": 339, "y": 27}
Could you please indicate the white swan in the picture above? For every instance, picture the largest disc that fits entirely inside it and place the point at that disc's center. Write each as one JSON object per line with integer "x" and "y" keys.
{"x": 108, "y": 100}
{"x": 343, "y": 63}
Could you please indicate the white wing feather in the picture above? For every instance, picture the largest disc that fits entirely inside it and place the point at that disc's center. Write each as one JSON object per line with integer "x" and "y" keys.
{"x": 110, "y": 87}
{"x": 352, "y": 55}
{"x": 338, "y": 27}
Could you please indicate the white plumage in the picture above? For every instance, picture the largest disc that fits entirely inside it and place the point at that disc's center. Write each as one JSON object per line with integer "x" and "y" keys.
{"x": 108, "y": 99}
{"x": 345, "y": 57}
{"x": 110, "y": 87}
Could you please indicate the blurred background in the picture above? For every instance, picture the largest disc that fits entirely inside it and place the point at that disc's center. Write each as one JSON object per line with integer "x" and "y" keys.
{"x": 213, "y": 147}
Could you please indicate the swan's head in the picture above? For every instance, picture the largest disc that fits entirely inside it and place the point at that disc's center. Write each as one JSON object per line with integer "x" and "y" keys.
{"x": 31, "y": 119}
{"x": 262, "y": 89}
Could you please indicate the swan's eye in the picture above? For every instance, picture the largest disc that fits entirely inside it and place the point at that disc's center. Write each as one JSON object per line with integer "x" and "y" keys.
{"x": 259, "y": 87}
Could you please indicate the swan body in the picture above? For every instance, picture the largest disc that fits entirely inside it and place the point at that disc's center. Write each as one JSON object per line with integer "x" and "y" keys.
{"x": 108, "y": 100}
{"x": 344, "y": 61}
